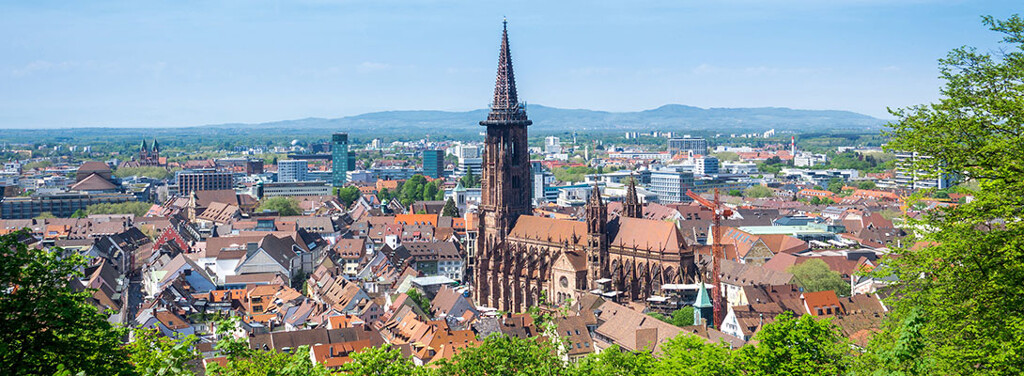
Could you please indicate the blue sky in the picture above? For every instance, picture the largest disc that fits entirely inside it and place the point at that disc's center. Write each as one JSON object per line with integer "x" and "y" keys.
{"x": 140, "y": 63}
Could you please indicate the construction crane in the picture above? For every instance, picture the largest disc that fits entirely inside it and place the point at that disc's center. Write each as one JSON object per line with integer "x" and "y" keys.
{"x": 717, "y": 252}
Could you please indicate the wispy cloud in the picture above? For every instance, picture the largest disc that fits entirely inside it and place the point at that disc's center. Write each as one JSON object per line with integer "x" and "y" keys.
{"x": 370, "y": 66}
{"x": 42, "y": 66}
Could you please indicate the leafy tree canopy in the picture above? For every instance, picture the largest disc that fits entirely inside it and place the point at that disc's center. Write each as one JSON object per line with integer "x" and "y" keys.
{"x": 282, "y": 205}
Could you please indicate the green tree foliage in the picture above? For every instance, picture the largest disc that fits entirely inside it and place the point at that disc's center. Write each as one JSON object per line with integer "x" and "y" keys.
{"x": 348, "y": 195}
{"x": 867, "y": 184}
{"x": 384, "y": 195}
{"x": 381, "y": 361}
{"x": 137, "y": 208}
{"x": 449, "y": 209}
{"x": 44, "y": 324}
{"x": 418, "y": 189}
{"x": 735, "y": 192}
{"x": 45, "y": 215}
{"x": 835, "y": 185}
{"x": 36, "y": 165}
{"x": 470, "y": 180}
{"x": 795, "y": 346}
{"x": 145, "y": 171}
{"x": 503, "y": 355}
{"x": 244, "y": 361}
{"x": 154, "y": 354}
{"x": 758, "y": 191}
{"x": 680, "y": 317}
{"x": 967, "y": 285}
{"x": 692, "y": 356}
{"x": 572, "y": 174}
{"x": 281, "y": 205}
{"x": 420, "y": 300}
{"x": 79, "y": 214}
{"x": 814, "y": 275}
{"x": 615, "y": 362}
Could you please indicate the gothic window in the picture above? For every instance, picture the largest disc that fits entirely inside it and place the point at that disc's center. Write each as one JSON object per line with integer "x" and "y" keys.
{"x": 563, "y": 281}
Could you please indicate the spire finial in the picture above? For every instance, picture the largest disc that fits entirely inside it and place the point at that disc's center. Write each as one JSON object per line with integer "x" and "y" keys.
{"x": 504, "y": 23}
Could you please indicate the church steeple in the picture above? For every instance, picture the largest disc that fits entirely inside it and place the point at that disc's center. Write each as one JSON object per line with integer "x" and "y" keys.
{"x": 597, "y": 212}
{"x": 632, "y": 207}
{"x": 156, "y": 146}
{"x": 144, "y": 147}
{"x": 505, "y": 107}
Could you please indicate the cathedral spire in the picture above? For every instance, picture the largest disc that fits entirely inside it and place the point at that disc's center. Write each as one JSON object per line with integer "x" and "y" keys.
{"x": 505, "y": 107}
{"x": 144, "y": 147}
{"x": 632, "y": 207}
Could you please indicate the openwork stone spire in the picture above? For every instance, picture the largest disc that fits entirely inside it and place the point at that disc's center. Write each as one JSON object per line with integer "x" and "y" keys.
{"x": 632, "y": 207}
{"x": 505, "y": 108}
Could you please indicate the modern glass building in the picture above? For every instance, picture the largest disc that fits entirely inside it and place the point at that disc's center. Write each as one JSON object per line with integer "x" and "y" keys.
{"x": 433, "y": 163}
{"x": 343, "y": 161}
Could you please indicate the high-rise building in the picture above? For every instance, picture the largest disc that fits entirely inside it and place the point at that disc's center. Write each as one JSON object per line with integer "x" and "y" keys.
{"x": 552, "y": 145}
{"x": 688, "y": 144}
{"x": 292, "y": 170}
{"x": 671, "y": 184}
{"x": 343, "y": 160}
{"x": 204, "y": 180}
{"x": 433, "y": 163}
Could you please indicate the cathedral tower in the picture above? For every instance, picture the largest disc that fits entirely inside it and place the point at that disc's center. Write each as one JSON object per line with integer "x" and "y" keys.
{"x": 597, "y": 238}
{"x": 505, "y": 184}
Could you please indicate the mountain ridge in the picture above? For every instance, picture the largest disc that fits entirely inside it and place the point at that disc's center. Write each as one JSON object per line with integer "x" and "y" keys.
{"x": 669, "y": 117}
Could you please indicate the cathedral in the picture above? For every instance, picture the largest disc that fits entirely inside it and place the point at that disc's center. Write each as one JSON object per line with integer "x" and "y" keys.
{"x": 521, "y": 257}
{"x": 148, "y": 156}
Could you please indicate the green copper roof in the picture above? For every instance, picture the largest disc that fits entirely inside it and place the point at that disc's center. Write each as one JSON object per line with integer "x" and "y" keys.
{"x": 703, "y": 297}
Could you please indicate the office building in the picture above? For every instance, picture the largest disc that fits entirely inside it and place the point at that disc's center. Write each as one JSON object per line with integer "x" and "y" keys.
{"x": 292, "y": 171}
{"x": 204, "y": 180}
{"x": 301, "y": 188}
{"x": 342, "y": 160}
{"x": 671, "y": 184}
{"x": 688, "y": 144}
{"x": 552, "y": 145}
{"x": 433, "y": 163}
{"x": 705, "y": 166}
{"x": 59, "y": 204}
{"x": 470, "y": 164}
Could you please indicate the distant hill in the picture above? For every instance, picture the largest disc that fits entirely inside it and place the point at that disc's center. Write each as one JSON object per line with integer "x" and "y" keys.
{"x": 671, "y": 117}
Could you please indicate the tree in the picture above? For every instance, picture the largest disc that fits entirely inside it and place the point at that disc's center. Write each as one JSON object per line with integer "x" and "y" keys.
{"x": 380, "y": 361}
{"x": 791, "y": 346}
{"x": 449, "y": 209}
{"x": 136, "y": 208}
{"x": 44, "y": 323}
{"x": 758, "y": 191}
{"x": 680, "y": 317}
{"x": 692, "y": 356}
{"x": 614, "y": 362}
{"x": 154, "y": 172}
{"x": 430, "y": 191}
{"x": 154, "y": 354}
{"x": 45, "y": 215}
{"x": 504, "y": 355}
{"x": 348, "y": 195}
{"x": 814, "y": 275}
{"x": 735, "y": 192}
{"x": 866, "y": 184}
{"x": 282, "y": 205}
{"x": 835, "y": 185}
{"x": 383, "y": 195}
{"x": 966, "y": 282}
{"x": 419, "y": 299}
{"x": 79, "y": 214}
{"x": 470, "y": 180}
{"x": 245, "y": 361}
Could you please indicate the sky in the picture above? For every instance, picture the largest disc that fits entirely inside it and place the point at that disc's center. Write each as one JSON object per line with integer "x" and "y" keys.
{"x": 140, "y": 63}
